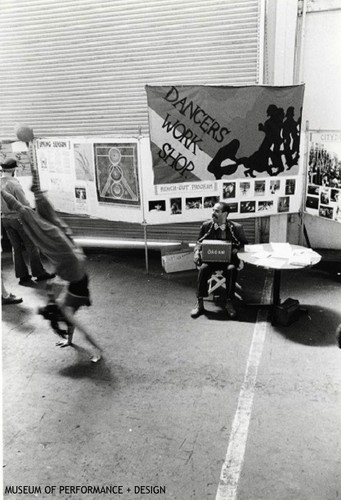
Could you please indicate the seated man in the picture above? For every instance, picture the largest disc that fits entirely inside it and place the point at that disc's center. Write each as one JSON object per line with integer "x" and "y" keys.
{"x": 219, "y": 228}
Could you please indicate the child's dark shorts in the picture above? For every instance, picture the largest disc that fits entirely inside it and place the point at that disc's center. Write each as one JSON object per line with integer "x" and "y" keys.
{"x": 77, "y": 294}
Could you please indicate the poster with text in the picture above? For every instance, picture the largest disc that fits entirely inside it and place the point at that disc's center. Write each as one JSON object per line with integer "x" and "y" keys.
{"x": 323, "y": 193}
{"x": 56, "y": 172}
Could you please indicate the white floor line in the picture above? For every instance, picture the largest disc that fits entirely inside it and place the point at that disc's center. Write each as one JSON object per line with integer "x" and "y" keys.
{"x": 232, "y": 466}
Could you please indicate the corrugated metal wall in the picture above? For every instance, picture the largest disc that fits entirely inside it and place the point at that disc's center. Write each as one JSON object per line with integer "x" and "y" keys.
{"x": 79, "y": 67}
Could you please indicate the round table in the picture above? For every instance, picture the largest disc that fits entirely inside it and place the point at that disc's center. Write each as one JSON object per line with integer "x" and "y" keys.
{"x": 277, "y": 257}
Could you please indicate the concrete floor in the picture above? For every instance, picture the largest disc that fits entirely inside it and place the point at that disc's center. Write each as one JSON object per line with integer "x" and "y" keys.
{"x": 158, "y": 409}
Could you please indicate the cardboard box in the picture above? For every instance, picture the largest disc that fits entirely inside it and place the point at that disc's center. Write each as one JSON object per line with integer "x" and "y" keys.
{"x": 216, "y": 251}
{"x": 179, "y": 261}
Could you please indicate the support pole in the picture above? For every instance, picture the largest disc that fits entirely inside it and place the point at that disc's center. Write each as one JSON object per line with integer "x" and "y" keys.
{"x": 144, "y": 222}
{"x": 305, "y": 180}
{"x": 145, "y": 245}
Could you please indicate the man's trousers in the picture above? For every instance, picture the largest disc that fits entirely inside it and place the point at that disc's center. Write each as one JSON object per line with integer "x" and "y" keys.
{"x": 205, "y": 271}
{"x": 20, "y": 242}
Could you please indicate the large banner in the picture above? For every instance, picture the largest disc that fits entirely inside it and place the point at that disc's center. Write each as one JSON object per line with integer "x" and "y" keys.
{"x": 323, "y": 195}
{"x": 205, "y": 133}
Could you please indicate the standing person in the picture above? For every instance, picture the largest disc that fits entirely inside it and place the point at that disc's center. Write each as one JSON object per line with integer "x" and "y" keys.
{"x": 6, "y": 297}
{"x": 17, "y": 236}
{"x": 219, "y": 228}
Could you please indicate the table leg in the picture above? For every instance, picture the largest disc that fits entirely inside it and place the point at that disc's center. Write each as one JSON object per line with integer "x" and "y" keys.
{"x": 276, "y": 294}
{"x": 276, "y": 298}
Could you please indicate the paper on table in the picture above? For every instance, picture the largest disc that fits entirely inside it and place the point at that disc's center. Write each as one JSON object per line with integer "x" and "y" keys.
{"x": 262, "y": 255}
{"x": 299, "y": 251}
{"x": 253, "y": 248}
{"x": 281, "y": 250}
{"x": 300, "y": 259}
{"x": 279, "y": 246}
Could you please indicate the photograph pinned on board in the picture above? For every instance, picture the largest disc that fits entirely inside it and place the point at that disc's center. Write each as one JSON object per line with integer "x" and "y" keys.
{"x": 314, "y": 190}
{"x": 259, "y": 188}
{"x": 337, "y": 213}
{"x": 81, "y": 202}
{"x": 290, "y": 186}
{"x": 233, "y": 208}
{"x": 265, "y": 206}
{"x": 176, "y": 206}
{"x": 324, "y": 166}
{"x": 247, "y": 207}
{"x": 283, "y": 204}
{"x": 324, "y": 196}
{"x": 157, "y": 206}
{"x": 193, "y": 203}
{"x": 43, "y": 163}
{"x": 326, "y": 212}
{"x": 229, "y": 190}
{"x": 335, "y": 196}
{"x": 312, "y": 202}
{"x": 275, "y": 186}
{"x": 245, "y": 188}
{"x": 210, "y": 201}
{"x": 80, "y": 193}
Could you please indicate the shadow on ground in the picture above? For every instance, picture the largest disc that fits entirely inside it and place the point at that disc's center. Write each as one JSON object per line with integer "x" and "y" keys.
{"x": 83, "y": 369}
{"x": 315, "y": 327}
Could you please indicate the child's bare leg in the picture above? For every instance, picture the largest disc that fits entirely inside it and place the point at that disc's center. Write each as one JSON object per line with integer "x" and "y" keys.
{"x": 95, "y": 357}
{"x": 69, "y": 314}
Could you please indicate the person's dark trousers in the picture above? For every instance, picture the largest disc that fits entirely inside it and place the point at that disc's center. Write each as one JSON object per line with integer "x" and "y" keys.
{"x": 204, "y": 273}
{"x": 19, "y": 241}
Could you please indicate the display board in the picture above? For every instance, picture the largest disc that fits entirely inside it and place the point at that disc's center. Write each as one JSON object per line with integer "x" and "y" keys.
{"x": 97, "y": 176}
{"x": 323, "y": 192}
{"x": 237, "y": 144}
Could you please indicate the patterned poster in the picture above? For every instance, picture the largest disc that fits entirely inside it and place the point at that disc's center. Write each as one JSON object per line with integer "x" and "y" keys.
{"x": 117, "y": 173}
{"x": 200, "y": 133}
{"x": 323, "y": 194}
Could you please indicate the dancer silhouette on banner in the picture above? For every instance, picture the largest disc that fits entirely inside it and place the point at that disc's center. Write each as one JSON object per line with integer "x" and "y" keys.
{"x": 281, "y": 139}
{"x": 291, "y": 138}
